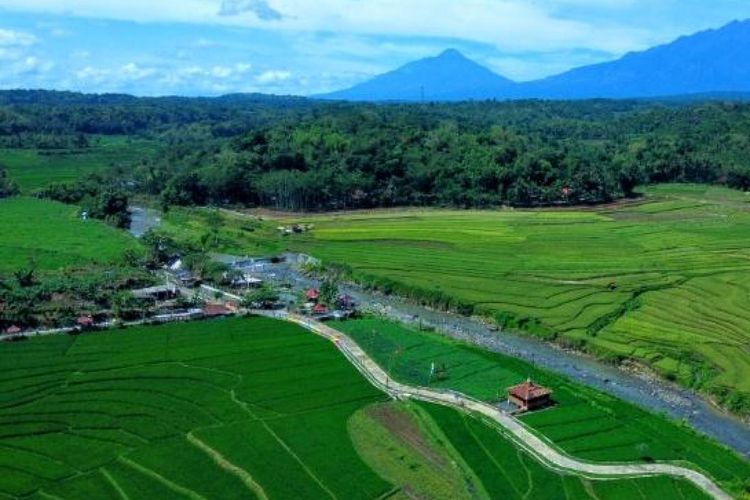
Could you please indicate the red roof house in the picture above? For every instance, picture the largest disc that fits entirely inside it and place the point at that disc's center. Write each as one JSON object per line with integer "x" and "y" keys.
{"x": 12, "y": 330}
{"x": 320, "y": 309}
{"x": 529, "y": 396}
{"x": 86, "y": 321}
{"x": 214, "y": 310}
{"x": 312, "y": 294}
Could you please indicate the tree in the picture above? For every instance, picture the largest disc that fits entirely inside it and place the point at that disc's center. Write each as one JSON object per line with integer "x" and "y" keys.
{"x": 265, "y": 297}
{"x": 329, "y": 292}
{"x": 7, "y": 186}
{"x": 126, "y": 307}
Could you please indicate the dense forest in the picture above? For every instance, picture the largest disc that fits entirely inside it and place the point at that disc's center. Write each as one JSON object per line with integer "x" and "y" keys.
{"x": 298, "y": 154}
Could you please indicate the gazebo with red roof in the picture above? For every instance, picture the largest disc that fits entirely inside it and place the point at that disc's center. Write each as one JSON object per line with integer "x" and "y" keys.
{"x": 529, "y": 396}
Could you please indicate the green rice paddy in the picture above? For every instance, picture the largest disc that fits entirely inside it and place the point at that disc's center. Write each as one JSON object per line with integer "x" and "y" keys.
{"x": 49, "y": 236}
{"x": 663, "y": 281}
{"x": 234, "y": 408}
{"x": 585, "y": 423}
{"x": 34, "y": 169}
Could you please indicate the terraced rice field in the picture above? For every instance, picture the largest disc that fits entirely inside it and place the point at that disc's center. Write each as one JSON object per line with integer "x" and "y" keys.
{"x": 585, "y": 423}
{"x": 158, "y": 412}
{"x": 50, "y": 236}
{"x": 663, "y": 281}
{"x": 236, "y": 408}
{"x": 35, "y": 169}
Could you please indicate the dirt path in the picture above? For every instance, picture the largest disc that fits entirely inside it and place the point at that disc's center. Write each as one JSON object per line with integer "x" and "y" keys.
{"x": 228, "y": 466}
{"x": 522, "y": 436}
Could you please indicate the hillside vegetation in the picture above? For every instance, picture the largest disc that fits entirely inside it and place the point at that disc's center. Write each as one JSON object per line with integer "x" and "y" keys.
{"x": 298, "y": 154}
{"x": 663, "y": 282}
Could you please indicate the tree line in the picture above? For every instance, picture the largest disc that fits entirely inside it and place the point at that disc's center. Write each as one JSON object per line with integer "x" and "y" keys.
{"x": 298, "y": 154}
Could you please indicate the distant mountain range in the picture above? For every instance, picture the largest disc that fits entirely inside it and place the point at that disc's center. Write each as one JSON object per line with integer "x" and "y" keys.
{"x": 709, "y": 62}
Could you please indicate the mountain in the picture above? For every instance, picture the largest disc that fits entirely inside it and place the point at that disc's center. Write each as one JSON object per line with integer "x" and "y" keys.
{"x": 712, "y": 62}
{"x": 708, "y": 62}
{"x": 447, "y": 77}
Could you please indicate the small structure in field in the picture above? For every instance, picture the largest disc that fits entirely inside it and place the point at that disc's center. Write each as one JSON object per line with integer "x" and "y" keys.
{"x": 345, "y": 303}
{"x": 85, "y": 321}
{"x": 163, "y": 292}
{"x": 13, "y": 330}
{"x": 216, "y": 310}
{"x": 529, "y": 396}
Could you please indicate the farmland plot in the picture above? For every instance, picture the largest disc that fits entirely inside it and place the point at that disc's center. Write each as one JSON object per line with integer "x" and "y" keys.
{"x": 662, "y": 281}
{"x": 585, "y": 423}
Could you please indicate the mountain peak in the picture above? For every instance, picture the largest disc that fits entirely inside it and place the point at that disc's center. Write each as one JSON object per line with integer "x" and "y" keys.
{"x": 450, "y": 76}
{"x": 451, "y": 54}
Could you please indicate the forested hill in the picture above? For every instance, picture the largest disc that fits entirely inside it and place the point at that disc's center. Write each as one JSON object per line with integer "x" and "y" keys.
{"x": 302, "y": 154}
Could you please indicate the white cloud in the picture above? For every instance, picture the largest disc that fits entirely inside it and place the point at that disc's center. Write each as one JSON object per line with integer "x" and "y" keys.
{"x": 506, "y": 24}
{"x": 273, "y": 77}
{"x": 11, "y": 38}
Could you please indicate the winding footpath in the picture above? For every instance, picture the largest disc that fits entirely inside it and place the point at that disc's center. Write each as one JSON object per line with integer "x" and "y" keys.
{"x": 513, "y": 428}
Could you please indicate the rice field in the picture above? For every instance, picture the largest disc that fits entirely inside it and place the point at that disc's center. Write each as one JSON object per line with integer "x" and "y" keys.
{"x": 49, "y": 236}
{"x": 157, "y": 412}
{"x": 237, "y": 408}
{"x": 663, "y": 281}
{"x": 34, "y": 169}
{"x": 587, "y": 424}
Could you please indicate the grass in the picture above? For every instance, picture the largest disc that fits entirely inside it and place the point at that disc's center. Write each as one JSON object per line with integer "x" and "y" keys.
{"x": 588, "y": 424}
{"x": 663, "y": 281}
{"x": 52, "y": 236}
{"x": 242, "y": 408}
{"x": 34, "y": 169}
{"x": 237, "y": 234}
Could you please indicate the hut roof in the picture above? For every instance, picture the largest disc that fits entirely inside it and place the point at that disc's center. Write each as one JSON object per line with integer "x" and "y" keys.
{"x": 528, "y": 391}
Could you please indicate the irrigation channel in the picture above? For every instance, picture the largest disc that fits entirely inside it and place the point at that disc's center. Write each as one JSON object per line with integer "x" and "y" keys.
{"x": 510, "y": 425}
{"x": 641, "y": 389}
{"x": 644, "y": 390}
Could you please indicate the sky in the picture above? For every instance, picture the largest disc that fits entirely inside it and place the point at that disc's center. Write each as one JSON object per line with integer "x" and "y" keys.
{"x": 305, "y": 47}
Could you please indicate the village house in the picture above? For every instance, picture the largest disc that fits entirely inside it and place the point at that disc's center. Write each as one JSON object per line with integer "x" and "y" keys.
{"x": 163, "y": 292}
{"x": 529, "y": 396}
{"x": 85, "y": 321}
{"x": 216, "y": 310}
{"x": 312, "y": 295}
{"x": 13, "y": 330}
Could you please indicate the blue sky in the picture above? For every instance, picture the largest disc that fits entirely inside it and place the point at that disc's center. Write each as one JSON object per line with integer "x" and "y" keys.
{"x": 211, "y": 47}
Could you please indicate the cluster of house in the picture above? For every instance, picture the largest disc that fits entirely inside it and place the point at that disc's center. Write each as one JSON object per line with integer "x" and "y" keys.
{"x": 343, "y": 307}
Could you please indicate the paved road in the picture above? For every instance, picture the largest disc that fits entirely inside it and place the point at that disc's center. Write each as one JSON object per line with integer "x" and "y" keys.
{"x": 518, "y": 431}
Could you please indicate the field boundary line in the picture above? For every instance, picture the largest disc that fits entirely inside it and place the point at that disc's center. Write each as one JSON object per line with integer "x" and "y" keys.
{"x": 163, "y": 480}
{"x": 228, "y": 466}
{"x": 549, "y": 455}
{"x": 114, "y": 484}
